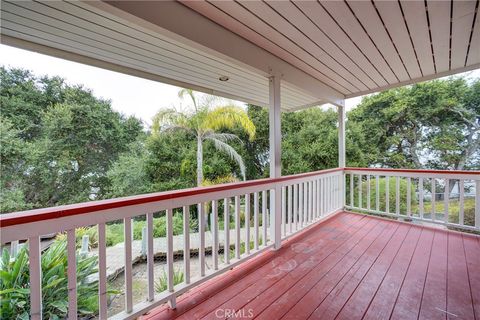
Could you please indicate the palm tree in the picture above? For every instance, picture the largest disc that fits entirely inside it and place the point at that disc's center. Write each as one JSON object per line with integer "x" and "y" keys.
{"x": 204, "y": 123}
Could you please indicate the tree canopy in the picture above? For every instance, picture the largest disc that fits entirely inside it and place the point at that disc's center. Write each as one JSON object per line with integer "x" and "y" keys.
{"x": 58, "y": 141}
{"x": 60, "y": 144}
{"x": 434, "y": 124}
{"x": 205, "y": 124}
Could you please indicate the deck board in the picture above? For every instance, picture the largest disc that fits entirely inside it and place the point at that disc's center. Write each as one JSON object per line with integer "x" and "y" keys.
{"x": 459, "y": 301}
{"x": 407, "y": 305}
{"x": 315, "y": 288}
{"x": 472, "y": 254}
{"x": 273, "y": 302}
{"x": 434, "y": 300}
{"x": 350, "y": 266}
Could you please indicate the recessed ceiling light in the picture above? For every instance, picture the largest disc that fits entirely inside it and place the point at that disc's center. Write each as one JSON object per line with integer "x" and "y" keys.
{"x": 223, "y": 78}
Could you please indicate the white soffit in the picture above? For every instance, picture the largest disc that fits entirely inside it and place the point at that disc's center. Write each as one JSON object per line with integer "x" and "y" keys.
{"x": 359, "y": 47}
{"x": 88, "y": 34}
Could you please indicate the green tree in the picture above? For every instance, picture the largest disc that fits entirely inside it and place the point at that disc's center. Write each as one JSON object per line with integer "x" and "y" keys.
{"x": 433, "y": 124}
{"x": 205, "y": 124}
{"x": 58, "y": 141}
{"x": 309, "y": 142}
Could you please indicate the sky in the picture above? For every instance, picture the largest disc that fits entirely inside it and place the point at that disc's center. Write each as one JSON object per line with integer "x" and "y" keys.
{"x": 143, "y": 102}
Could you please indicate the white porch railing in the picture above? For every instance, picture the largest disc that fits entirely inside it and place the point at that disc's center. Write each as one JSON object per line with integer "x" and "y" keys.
{"x": 306, "y": 198}
{"x": 450, "y": 198}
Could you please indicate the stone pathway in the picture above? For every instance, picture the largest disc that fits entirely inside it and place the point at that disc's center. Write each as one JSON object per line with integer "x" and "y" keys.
{"x": 116, "y": 259}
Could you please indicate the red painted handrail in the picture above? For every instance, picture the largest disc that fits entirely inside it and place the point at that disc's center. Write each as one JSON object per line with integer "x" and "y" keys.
{"x": 35, "y": 215}
{"x": 474, "y": 172}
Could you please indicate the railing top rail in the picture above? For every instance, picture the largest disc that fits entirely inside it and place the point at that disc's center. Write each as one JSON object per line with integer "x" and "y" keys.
{"x": 426, "y": 171}
{"x": 22, "y": 217}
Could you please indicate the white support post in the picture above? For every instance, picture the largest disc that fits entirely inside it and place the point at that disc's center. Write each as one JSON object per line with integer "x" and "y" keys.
{"x": 275, "y": 159}
{"x": 341, "y": 151}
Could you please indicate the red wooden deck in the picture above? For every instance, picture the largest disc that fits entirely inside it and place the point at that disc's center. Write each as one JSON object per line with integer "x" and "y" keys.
{"x": 348, "y": 267}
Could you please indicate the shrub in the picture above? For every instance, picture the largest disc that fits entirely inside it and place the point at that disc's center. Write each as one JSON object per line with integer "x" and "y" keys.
{"x": 15, "y": 287}
{"x": 114, "y": 231}
{"x": 382, "y": 194}
{"x": 161, "y": 283}
{"x": 92, "y": 233}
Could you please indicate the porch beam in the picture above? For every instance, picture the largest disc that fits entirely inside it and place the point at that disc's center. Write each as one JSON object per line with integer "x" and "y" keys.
{"x": 275, "y": 132}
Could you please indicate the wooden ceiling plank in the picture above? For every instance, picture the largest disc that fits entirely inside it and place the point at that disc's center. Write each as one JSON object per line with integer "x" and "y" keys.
{"x": 291, "y": 13}
{"x": 222, "y": 12}
{"x": 172, "y": 70}
{"x": 292, "y": 37}
{"x": 391, "y": 14}
{"x": 416, "y": 18}
{"x": 439, "y": 13}
{"x": 343, "y": 16}
{"x": 97, "y": 33}
{"x": 39, "y": 37}
{"x": 290, "y": 95}
{"x": 325, "y": 23}
{"x": 84, "y": 9}
{"x": 366, "y": 13}
{"x": 174, "y": 62}
{"x": 140, "y": 37}
{"x": 462, "y": 21}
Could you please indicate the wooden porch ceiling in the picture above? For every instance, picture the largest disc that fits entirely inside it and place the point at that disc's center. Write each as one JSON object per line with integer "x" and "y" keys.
{"x": 348, "y": 267}
{"x": 90, "y": 33}
{"x": 358, "y": 47}
{"x": 324, "y": 51}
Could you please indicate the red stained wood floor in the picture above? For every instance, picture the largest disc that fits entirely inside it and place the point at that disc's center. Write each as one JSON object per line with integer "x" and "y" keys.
{"x": 350, "y": 266}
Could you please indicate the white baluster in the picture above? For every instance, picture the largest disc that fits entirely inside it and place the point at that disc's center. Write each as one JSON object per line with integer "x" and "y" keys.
{"x": 397, "y": 196}
{"x": 295, "y": 205}
{"x": 284, "y": 211}
{"x": 102, "y": 271}
{"x": 387, "y": 194}
{"x": 150, "y": 258}
{"x": 215, "y": 234}
{"x": 170, "y": 283}
{"x": 201, "y": 230}
{"x": 255, "y": 221}
{"x": 434, "y": 214}
{"x": 461, "y": 213}
{"x": 186, "y": 243}
{"x": 421, "y": 196}
{"x": 290, "y": 198}
{"x": 127, "y": 228}
{"x": 409, "y": 197}
{"x": 72, "y": 273}
{"x": 226, "y": 223}
{"x": 446, "y": 200}
{"x": 264, "y": 217}
{"x": 237, "y": 227}
{"x": 247, "y": 223}
{"x": 35, "y": 278}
